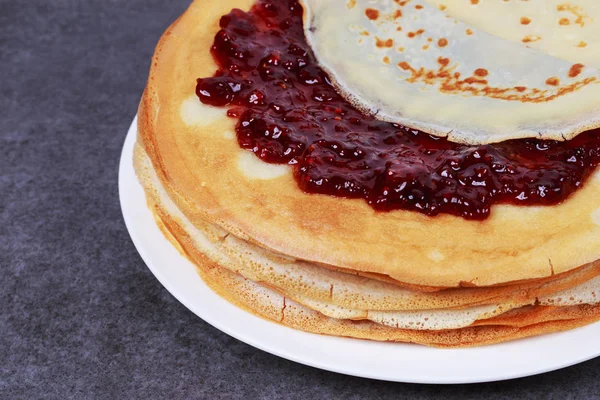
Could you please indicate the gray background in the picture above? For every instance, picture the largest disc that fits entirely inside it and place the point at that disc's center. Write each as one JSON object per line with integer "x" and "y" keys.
{"x": 82, "y": 317}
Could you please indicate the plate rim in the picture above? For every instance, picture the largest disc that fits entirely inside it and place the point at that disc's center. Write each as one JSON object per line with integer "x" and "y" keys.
{"x": 129, "y": 189}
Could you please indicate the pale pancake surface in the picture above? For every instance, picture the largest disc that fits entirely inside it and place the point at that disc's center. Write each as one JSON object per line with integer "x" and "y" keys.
{"x": 408, "y": 62}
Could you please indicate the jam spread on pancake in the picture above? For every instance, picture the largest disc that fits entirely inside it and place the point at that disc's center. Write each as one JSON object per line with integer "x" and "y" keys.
{"x": 289, "y": 113}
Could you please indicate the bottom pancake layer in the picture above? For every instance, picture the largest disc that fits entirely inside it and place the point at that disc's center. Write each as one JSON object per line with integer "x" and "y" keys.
{"x": 269, "y": 304}
{"x": 512, "y": 322}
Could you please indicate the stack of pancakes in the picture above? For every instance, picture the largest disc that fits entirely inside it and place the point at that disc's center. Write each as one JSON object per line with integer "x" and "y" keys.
{"x": 336, "y": 266}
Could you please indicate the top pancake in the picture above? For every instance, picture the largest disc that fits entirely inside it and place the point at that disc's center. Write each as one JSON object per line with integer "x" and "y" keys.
{"x": 410, "y": 63}
{"x": 196, "y": 156}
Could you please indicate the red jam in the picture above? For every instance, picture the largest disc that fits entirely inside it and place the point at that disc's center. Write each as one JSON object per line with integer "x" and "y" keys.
{"x": 289, "y": 113}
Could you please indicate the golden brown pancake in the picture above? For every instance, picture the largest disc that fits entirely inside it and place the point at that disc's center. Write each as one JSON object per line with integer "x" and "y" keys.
{"x": 281, "y": 253}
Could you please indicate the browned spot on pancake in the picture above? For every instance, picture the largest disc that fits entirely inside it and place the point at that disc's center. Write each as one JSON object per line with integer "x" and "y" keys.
{"x": 582, "y": 44}
{"x": 531, "y": 38}
{"x": 525, "y": 21}
{"x": 469, "y": 32}
{"x": 387, "y": 43}
{"x": 443, "y": 42}
{"x": 416, "y": 33}
{"x": 472, "y": 80}
{"x": 404, "y": 65}
{"x": 372, "y": 14}
{"x": 575, "y": 70}
{"x": 576, "y": 11}
{"x": 481, "y": 72}
{"x": 386, "y": 60}
{"x": 443, "y": 61}
{"x": 553, "y": 81}
{"x": 564, "y": 21}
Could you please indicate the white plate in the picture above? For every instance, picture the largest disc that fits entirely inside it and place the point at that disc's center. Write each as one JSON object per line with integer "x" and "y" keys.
{"x": 385, "y": 361}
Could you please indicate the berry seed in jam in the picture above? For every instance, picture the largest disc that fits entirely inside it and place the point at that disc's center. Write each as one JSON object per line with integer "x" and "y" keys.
{"x": 289, "y": 113}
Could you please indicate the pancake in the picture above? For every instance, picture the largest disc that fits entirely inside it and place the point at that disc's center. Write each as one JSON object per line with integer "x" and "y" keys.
{"x": 194, "y": 152}
{"x": 338, "y": 266}
{"x": 393, "y": 51}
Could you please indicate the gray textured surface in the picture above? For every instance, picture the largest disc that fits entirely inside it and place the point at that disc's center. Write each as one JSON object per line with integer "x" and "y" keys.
{"x": 82, "y": 317}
